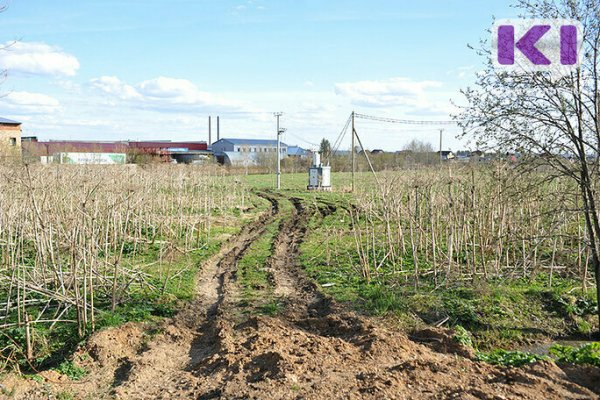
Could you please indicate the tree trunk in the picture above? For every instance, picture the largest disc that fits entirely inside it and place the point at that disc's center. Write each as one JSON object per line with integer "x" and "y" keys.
{"x": 593, "y": 225}
{"x": 596, "y": 264}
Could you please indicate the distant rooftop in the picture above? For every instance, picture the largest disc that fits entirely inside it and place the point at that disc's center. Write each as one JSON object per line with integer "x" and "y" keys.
{"x": 264, "y": 142}
{"x": 8, "y": 121}
{"x": 37, "y": 148}
{"x": 296, "y": 151}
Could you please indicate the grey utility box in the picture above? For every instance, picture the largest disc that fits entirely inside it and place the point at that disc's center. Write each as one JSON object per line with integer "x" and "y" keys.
{"x": 319, "y": 176}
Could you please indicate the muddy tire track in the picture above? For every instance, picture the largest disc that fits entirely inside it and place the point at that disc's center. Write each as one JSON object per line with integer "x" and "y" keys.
{"x": 283, "y": 263}
{"x": 306, "y": 306}
{"x": 163, "y": 369}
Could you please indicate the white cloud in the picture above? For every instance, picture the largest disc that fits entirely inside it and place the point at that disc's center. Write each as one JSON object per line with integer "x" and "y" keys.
{"x": 29, "y": 103}
{"x": 37, "y": 59}
{"x": 180, "y": 91}
{"x": 387, "y": 93}
{"x": 31, "y": 99}
{"x": 162, "y": 93}
{"x": 68, "y": 86}
{"x": 247, "y": 6}
{"x": 114, "y": 86}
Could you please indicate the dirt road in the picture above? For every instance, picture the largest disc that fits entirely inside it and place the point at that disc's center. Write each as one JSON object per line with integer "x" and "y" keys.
{"x": 313, "y": 349}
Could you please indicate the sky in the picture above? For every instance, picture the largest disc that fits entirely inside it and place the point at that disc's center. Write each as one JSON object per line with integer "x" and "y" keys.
{"x": 156, "y": 69}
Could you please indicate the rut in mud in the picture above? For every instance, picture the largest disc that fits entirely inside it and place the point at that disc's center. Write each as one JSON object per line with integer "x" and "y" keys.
{"x": 165, "y": 369}
{"x": 313, "y": 349}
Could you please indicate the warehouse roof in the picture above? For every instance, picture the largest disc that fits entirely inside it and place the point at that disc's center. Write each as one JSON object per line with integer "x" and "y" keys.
{"x": 8, "y": 121}
{"x": 296, "y": 151}
{"x": 251, "y": 142}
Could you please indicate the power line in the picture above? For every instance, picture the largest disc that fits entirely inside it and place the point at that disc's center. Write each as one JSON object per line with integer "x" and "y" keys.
{"x": 303, "y": 140}
{"x": 403, "y": 121}
{"x": 340, "y": 137}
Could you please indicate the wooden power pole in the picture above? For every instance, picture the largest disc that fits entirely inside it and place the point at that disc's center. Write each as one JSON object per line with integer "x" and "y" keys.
{"x": 277, "y": 115}
{"x": 353, "y": 152}
{"x": 441, "y": 157}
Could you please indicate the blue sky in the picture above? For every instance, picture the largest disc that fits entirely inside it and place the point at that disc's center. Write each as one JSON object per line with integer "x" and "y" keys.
{"x": 148, "y": 69}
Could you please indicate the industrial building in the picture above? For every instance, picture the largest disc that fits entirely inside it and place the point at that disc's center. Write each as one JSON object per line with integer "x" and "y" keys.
{"x": 103, "y": 152}
{"x": 226, "y": 151}
{"x": 246, "y": 152}
{"x": 10, "y": 139}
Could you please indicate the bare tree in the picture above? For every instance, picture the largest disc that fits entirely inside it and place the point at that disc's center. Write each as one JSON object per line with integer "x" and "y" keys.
{"x": 420, "y": 152}
{"x": 418, "y": 146}
{"x": 552, "y": 121}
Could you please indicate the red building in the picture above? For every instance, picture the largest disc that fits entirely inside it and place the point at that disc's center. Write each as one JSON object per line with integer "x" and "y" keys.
{"x": 167, "y": 149}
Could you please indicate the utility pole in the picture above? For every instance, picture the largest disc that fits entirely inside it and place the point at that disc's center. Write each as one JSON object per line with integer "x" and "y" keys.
{"x": 277, "y": 115}
{"x": 352, "y": 151}
{"x": 441, "y": 158}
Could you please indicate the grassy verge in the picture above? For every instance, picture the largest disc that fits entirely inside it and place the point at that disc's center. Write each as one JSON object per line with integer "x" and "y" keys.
{"x": 254, "y": 278}
{"x": 255, "y": 282}
{"x": 498, "y": 313}
{"x": 297, "y": 182}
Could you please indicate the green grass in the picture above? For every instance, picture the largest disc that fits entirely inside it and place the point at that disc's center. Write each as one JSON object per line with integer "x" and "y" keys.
{"x": 71, "y": 370}
{"x": 167, "y": 282}
{"x": 35, "y": 377}
{"x": 586, "y": 354}
{"x": 271, "y": 307}
{"x": 462, "y": 336}
{"x": 65, "y": 395}
{"x": 255, "y": 281}
{"x": 509, "y": 358}
{"x": 297, "y": 182}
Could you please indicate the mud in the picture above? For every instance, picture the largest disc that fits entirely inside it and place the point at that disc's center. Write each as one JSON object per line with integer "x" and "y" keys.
{"x": 313, "y": 349}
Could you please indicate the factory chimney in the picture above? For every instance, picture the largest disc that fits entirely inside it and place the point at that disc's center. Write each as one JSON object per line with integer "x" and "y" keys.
{"x": 209, "y": 133}
{"x": 218, "y": 131}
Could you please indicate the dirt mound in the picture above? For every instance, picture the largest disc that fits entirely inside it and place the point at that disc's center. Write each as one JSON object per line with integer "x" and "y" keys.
{"x": 277, "y": 359}
{"x": 113, "y": 344}
{"x": 442, "y": 340}
{"x": 103, "y": 356}
{"x": 586, "y": 376}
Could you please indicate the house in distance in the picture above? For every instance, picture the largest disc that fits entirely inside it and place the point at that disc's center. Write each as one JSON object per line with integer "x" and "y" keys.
{"x": 10, "y": 139}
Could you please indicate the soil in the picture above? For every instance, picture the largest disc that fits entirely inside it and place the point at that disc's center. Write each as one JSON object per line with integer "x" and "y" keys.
{"x": 313, "y": 349}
